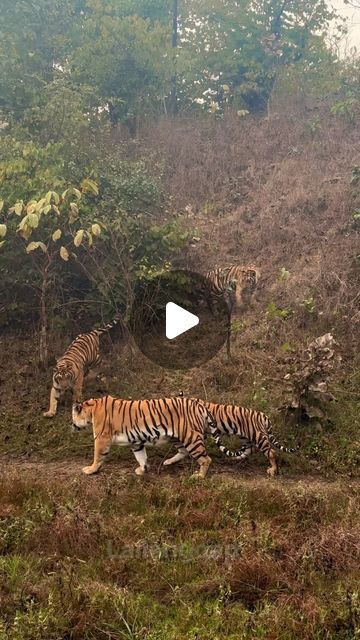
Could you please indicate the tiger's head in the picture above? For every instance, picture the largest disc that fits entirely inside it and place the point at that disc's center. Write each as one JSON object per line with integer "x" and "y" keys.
{"x": 251, "y": 276}
{"x": 63, "y": 377}
{"x": 82, "y": 414}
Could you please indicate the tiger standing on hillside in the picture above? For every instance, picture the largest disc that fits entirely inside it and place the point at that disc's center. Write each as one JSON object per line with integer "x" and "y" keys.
{"x": 235, "y": 284}
{"x": 82, "y": 355}
{"x": 140, "y": 423}
{"x": 253, "y": 427}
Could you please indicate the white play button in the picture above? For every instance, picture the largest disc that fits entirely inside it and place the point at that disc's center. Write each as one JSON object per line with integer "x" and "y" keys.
{"x": 161, "y": 329}
{"x": 178, "y": 320}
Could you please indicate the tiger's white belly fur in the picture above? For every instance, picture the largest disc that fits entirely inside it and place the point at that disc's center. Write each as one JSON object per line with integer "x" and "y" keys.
{"x": 122, "y": 439}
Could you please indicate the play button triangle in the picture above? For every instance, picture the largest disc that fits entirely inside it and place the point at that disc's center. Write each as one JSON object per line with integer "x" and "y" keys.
{"x": 178, "y": 320}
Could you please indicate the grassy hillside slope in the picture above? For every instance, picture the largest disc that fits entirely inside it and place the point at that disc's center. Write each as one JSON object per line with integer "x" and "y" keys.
{"x": 279, "y": 192}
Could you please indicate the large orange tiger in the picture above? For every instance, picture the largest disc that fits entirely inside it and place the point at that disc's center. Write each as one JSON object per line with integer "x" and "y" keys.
{"x": 72, "y": 367}
{"x": 253, "y": 427}
{"x": 139, "y": 423}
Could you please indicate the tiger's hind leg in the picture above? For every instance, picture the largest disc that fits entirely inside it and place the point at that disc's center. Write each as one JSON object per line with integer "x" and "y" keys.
{"x": 204, "y": 463}
{"x": 180, "y": 455}
{"x": 141, "y": 457}
{"x": 101, "y": 449}
{"x": 196, "y": 450}
{"x": 273, "y": 470}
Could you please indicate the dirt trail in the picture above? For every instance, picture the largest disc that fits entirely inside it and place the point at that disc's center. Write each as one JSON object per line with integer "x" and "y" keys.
{"x": 69, "y": 469}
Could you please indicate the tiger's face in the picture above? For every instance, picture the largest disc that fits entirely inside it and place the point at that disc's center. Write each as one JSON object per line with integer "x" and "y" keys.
{"x": 82, "y": 414}
{"x": 252, "y": 275}
{"x": 63, "y": 378}
{"x": 250, "y": 279}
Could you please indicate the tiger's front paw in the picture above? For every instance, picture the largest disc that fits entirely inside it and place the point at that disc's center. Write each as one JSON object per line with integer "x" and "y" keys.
{"x": 89, "y": 470}
{"x": 139, "y": 471}
{"x": 196, "y": 476}
{"x": 49, "y": 414}
{"x": 272, "y": 473}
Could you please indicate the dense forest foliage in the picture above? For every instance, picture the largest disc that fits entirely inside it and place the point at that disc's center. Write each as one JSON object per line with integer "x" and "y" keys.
{"x": 84, "y": 210}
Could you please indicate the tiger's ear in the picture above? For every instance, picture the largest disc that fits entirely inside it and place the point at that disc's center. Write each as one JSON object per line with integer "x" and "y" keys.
{"x": 89, "y": 404}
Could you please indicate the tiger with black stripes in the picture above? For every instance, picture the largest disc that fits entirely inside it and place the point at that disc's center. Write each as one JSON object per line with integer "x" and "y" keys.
{"x": 82, "y": 355}
{"x": 235, "y": 285}
{"x": 141, "y": 423}
{"x": 253, "y": 427}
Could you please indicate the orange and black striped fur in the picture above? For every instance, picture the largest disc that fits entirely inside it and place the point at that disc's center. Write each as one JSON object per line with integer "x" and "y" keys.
{"x": 82, "y": 355}
{"x": 140, "y": 423}
{"x": 253, "y": 427}
{"x": 235, "y": 285}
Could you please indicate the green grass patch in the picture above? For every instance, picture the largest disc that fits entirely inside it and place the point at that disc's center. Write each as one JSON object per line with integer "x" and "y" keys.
{"x": 168, "y": 559}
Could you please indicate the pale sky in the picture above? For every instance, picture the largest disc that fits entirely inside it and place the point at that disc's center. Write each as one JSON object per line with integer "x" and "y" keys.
{"x": 353, "y": 15}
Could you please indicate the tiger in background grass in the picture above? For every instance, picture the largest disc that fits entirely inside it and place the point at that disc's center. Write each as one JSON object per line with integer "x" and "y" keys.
{"x": 253, "y": 427}
{"x": 141, "y": 423}
{"x": 235, "y": 285}
{"x": 82, "y": 355}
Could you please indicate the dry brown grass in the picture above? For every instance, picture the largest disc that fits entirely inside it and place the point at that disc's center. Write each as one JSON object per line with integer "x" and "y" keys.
{"x": 270, "y": 192}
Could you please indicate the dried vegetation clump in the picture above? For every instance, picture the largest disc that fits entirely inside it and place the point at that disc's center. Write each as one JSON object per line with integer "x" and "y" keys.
{"x": 308, "y": 382}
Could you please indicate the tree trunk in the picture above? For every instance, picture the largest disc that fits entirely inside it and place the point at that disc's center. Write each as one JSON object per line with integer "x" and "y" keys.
{"x": 173, "y": 94}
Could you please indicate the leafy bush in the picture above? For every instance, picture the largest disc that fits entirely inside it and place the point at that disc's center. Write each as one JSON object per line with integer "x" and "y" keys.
{"x": 128, "y": 186}
{"x": 28, "y": 169}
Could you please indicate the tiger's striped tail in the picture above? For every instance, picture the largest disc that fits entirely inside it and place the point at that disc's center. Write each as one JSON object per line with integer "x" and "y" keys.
{"x": 277, "y": 445}
{"x": 275, "y": 442}
{"x": 109, "y": 326}
{"x": 215, "y": 433}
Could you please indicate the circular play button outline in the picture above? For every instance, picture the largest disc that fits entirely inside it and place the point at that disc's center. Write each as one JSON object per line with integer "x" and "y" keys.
{"x": 174, "y": 304}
